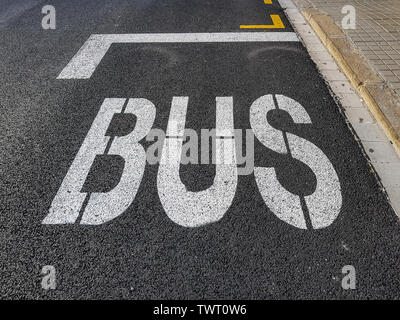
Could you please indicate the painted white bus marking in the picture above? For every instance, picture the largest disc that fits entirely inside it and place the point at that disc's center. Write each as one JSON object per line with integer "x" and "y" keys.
{"x": 325, "y": 203}
{"x": 103, "y": 207}
{"x": 194, "y": 209}
{"x": 84, "y": 63}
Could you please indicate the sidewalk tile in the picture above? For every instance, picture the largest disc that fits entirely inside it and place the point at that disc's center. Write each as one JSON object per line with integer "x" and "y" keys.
{"x": 380, "y": 152}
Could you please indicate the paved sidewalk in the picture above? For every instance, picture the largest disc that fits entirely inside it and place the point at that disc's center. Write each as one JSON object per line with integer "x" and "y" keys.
{"x": 360, "y": 90}
{"x": 368, "y": 54}
{"x": 377, "y": 32}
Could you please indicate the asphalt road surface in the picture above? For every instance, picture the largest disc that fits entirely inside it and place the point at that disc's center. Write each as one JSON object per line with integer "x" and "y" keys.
{"x": 135, "y": 230}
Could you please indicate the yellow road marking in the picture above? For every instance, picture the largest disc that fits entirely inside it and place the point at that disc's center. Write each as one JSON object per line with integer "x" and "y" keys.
{"x": 276, "y": 24}
{"x": 268, "y": 1}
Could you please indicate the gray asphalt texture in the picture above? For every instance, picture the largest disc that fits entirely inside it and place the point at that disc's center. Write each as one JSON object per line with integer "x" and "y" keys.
{"x": 249, "y": 253}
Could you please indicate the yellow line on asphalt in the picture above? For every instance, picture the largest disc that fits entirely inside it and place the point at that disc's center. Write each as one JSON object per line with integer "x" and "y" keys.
{"x": 268, "y": 1}
{"x": 276, "y": 24}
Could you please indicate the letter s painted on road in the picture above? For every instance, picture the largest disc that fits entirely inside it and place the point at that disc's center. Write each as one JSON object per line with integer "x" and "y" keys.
{"x": 325, "y": 203}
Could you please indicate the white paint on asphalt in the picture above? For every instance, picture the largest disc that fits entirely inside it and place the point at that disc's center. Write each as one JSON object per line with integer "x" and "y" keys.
{"x": 224, "y": 117}
{"x": 177, "y": 117}
{"x": 325, "y": 203}
{"x": 284, "y": 204}
{"x": 194, "y": 209}
{"x": 69, "y": 198}
{"x": 265, "y": 133}
{"x": 103, "y": 207}
{"x": 84, "y": 63}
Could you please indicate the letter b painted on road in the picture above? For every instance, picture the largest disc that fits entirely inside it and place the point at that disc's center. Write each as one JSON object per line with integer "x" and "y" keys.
{"x": 103, "y": 207}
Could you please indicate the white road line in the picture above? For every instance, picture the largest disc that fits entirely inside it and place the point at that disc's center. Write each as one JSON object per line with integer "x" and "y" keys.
{"x": 84, "y": 63}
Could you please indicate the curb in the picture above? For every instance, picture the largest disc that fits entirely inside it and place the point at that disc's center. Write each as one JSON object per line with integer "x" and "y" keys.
{"x": 382, "y": 102}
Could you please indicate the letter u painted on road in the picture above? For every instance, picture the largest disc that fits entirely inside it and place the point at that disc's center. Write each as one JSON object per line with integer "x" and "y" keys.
{"x": 194, "y": 209}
